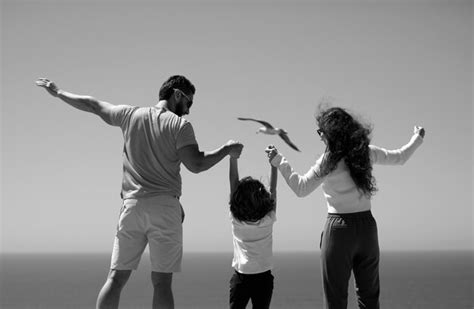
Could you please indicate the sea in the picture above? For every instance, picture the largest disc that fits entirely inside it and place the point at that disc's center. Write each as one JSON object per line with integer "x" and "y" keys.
{"x": 437, "y": 279}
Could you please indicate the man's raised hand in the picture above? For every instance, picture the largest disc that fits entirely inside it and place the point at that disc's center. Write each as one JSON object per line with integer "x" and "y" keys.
{"x": 235, "y": 148}
{"x": 48, "y": 85}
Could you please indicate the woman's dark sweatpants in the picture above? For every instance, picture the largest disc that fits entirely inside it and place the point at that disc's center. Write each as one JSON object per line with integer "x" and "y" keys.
{"x": 349, "y": 242}
{"x": 255, "y": 287}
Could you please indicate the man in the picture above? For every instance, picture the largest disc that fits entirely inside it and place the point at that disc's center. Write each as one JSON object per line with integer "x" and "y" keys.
{"x": 156, "y": 141}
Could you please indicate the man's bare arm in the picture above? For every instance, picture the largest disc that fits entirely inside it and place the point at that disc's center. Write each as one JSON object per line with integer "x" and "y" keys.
{"x": 82, "y": 102}
{"x": 198, "y": 161}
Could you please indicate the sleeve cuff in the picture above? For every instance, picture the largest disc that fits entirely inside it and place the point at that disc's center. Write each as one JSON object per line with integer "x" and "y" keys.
{"x": 417, "y": 139}
{"x": 178, "y": 147}
{"x": 276, "y": 161}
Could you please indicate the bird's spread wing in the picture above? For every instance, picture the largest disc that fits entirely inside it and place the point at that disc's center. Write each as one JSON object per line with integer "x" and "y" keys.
{"x": 285, "y": 137}
{"x": 266, "y": 124}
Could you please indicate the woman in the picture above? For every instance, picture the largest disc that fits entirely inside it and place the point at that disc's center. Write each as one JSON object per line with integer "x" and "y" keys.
{"x": 349, "y": 241}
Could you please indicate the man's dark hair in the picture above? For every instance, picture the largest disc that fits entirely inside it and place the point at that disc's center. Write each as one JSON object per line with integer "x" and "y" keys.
{"x": 176, "y": 81}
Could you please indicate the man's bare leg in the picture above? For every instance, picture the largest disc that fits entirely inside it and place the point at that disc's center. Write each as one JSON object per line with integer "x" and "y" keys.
{"x": 109, "y": 295}
{"x": 162, "y": 292}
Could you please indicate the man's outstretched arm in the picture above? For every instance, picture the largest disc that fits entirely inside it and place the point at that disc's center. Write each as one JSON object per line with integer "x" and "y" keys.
{"x": 82, "y": 102}
{"x": 198, "y": 161}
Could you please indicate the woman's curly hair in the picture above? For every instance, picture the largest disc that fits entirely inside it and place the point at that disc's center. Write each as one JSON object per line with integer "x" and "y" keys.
{"x": 347, "y": 139}
{"x": 250, "y": 201}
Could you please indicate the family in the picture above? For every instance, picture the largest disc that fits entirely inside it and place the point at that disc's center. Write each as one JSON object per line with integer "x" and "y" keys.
{"x": 157, "y": 140}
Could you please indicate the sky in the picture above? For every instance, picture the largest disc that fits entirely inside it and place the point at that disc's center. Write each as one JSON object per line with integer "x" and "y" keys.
{"x": 394, "y": 64}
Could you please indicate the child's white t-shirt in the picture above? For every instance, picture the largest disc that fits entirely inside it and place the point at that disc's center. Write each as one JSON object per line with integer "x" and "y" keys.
{"x": 253, "y": 244}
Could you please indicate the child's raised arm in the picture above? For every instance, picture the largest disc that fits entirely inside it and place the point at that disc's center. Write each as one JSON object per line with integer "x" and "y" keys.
{"x": 273, "y": 182}
{"x": 233, "y": 174}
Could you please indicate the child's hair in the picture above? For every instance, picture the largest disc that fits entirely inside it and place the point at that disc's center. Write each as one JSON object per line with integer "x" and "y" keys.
{"x": 250, "y": 201}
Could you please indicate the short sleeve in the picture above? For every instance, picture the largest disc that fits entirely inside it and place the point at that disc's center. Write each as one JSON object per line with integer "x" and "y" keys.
{"x": 119, "y": 114}
{"x": 185, "y": 136}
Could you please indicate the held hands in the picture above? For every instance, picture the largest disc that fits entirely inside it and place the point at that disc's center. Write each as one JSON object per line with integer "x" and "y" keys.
{"x": 48, "y": 85}
{"x": 419, "y": 130}
{"x": 271, "y": 152}
{"x": 235, "y": 148}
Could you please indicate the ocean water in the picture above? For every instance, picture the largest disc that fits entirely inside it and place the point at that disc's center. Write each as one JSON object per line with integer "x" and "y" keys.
{"x": 408, "y": 280}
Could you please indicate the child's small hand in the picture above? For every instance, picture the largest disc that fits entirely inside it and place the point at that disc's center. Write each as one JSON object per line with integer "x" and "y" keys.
{"x": 271, "y": 152}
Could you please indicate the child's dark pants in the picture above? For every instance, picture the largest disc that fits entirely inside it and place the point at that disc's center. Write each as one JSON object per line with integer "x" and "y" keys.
{"x": 349, "y": 242}
{"x": 257, "y": 287}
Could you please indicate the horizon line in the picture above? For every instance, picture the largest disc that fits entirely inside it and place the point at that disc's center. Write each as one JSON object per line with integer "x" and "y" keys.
{"x": 146, "y": 253}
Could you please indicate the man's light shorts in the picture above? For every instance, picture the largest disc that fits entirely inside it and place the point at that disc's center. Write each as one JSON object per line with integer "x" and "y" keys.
{"x": 156, "y": 221}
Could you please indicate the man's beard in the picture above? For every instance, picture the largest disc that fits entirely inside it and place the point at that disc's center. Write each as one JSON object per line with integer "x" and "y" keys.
{"x": 179, "y": 110}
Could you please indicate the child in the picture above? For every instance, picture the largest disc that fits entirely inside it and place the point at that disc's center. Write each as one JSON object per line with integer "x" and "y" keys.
{"x": 252, "y": 213}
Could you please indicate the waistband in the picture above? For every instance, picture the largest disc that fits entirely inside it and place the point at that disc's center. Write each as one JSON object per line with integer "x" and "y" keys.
{"x": 265, "y": 273}
{"x": 153, "y": 197}
{"x": 169, "y": 200}
{"x": 141, "y": 195}
{"x": 351, "y": 215}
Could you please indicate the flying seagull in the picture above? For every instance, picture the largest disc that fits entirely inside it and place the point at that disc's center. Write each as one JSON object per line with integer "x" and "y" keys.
{"x": 269, "y": 129}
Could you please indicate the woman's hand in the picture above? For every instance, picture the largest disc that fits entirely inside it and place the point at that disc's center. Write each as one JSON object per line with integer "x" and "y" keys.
{"x": 271, "y": 152}
{"x": 419, "y": 130}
